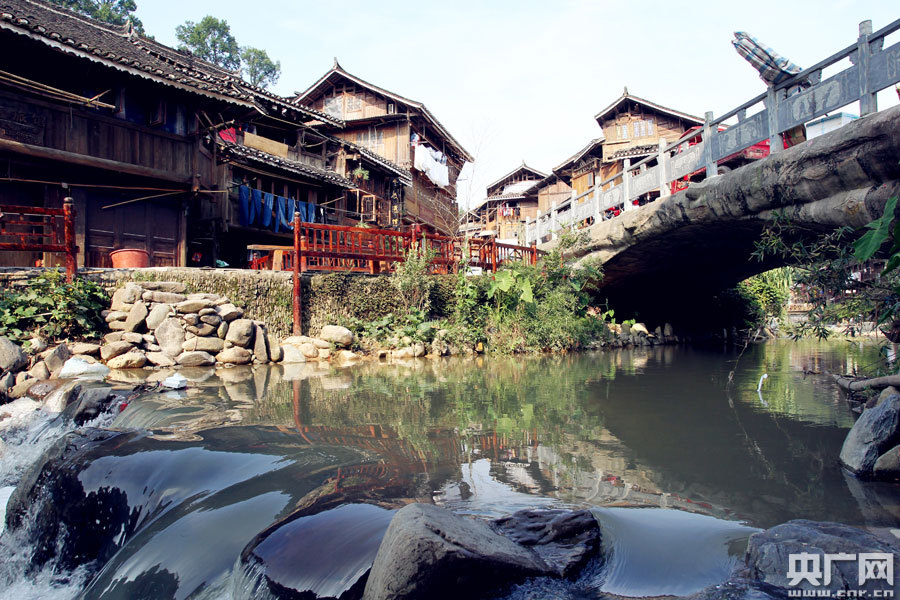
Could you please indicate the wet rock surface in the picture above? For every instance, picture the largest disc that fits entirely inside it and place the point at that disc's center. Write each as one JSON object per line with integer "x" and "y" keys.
{"x": 429, "y": 552}
{"x": 875, "y": 432}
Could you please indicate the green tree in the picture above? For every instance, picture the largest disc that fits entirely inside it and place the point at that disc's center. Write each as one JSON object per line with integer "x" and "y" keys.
{"x": 116, "y": 12}
{"x": 259, "y": 69}
{"x": 211, "y": 40}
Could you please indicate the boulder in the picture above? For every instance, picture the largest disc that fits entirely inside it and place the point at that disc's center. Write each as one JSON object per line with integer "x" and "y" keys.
{"x": 204, "y": 344}
{"x": 86, "y": 358}
{"x": 21, "y": 388}
{"x": 136, "y": 316}
{"x": 129, "y": 360}
{"x": 418, "y": 349}
{"x": 39, "y": 371}
{"x": 191, "y": 319}
{"x": 564, "y": 539}
{"x": 202, "y": 329}
{"x": 207, "y": 311}
{"x": 115, "y": 349}
{"x": 275, "y": 352}
{"x": 173, "y": 287}
{"x": 309, "y": 350}
{"x": 89, "y": 404}
{"x": 291, "y": 353}
{"x": 260, "y": 345}
{"x": 324, "y": 353}
{"x": 160, "y": 359}
{"x": 85, "y": 348}
{"x": 78, "y": 367}
{"x": 872, "y": 435}
{"x": 429, "y": 552}
{"x": 345, "y": 356}
{"x": 768, "y": 555}
{"x": 222, "y": 330}
{"x": 22, "y": 376}
{"x": 115, "y": 336}
{"x": 127, "y": 295}
{"x": 668, "y": 331}
{"x": 192, "y": 305}
{"x": 36, "y": 345}
{"x": 337, "y": 335}
{"x": 888, "y": 464}
{"x": 402, "y": 353}
{"x": 213, "y": 320}
{"x": 235, "y": 356}
{"x": 195, "y": 359}
{"x": 639, "y": 328}
{"x": 163, "y": 297}
{"x": 157, "y": 315}
{"x": 60, "y": 397}
{"x": 117, "y": 326}
{"x": 170, "y": 336}
{"x": 175, "y": 382}
{"x": 41, "y": 389}
{"x": 133, "y": 338}
{"x": 7, "y": 381}
{"x": 229, "y": 312}
{"x": 240, "y": 332}
{"x": 12, "y": 357}
{"x": 204, "y": 296}
{"x": 116, "y": 315}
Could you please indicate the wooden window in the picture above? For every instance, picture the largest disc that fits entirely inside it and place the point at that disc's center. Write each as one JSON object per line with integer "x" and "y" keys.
{"x": 622, "y": 132}
{"x": 643, "y": 128}
{"x": 391, "y": 108}
{"x": 158, "y": 116}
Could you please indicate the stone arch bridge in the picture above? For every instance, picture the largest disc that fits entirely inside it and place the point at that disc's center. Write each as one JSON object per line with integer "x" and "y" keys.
{"x": 664, "y": 256}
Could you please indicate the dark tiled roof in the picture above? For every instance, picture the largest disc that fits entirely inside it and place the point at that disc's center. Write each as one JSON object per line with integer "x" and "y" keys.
{"x": 120, "y": 47}
{"x": 243, "y": 154}
{"x": 378, "y": 159}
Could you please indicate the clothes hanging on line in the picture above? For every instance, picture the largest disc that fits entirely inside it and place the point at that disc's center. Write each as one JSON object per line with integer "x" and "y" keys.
{"x": 244, "y": 205}
{"x": 424, "y": 160}
{"x": 266, "y": 216}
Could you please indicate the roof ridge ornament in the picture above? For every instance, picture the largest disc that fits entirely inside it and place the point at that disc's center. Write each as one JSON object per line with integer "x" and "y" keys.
{"x": 337, "y": 65}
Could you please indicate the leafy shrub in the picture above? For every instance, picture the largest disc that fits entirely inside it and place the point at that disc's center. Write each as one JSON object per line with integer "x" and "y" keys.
{"x": 48, "y": 306}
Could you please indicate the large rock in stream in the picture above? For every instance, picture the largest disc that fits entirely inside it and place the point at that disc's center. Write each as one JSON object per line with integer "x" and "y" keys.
{"x": 429, "y": 552}
{"x": 875, "y": 432}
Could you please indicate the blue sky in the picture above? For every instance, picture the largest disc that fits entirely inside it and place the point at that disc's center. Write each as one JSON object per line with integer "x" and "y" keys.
{"x": 516, "y": 81}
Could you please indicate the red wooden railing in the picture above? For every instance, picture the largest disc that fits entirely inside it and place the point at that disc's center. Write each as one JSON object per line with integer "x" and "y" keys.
{"x": 38, "y": 229}
{"x": 337, "y": 248}
{"x": 358, "y": 249}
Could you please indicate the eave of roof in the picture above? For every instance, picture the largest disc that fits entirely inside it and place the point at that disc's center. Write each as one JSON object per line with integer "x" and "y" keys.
{"x": 626, "y": 97}
{"x": 337, "y": 69}
{"x": 239, "y": 152}
{"x": 404, "y": 174}
{"x": 522, "y": 167}
{"x": 592, "y": 145}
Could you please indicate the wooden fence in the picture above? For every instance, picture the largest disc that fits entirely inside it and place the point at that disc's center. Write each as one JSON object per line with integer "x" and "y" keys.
{"x": 795, "y": 101}
{"x": 37, "y": 229}
{"x": 364, "y": 250}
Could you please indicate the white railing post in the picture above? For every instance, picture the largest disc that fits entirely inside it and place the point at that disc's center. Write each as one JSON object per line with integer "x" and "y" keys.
{"x": 662, "y": 163}
{"x": 710, "y": 164}
{"x": 626, "y": 185}
{"x": 553, "y": 221}
{"x": 868, "y": 103}
{"x": 595, "y": 209}
{"x": 775, "y": 142}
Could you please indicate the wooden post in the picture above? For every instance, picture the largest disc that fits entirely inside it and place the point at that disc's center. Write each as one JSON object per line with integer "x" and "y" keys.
{"x": 493, "y": 255}
{"x": 708, "y": 162}
{"x": 868, "y": 102}
{"x": 297, "y": 292}
{"x": 533, "y": 253}
{"x": 69, "y": 234}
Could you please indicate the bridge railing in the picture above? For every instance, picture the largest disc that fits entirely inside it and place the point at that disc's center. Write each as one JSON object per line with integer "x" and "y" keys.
{"x": 793, "y": 102}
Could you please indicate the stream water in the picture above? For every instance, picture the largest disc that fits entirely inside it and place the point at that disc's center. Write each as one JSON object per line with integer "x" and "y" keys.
{"x": 290, "y": 474}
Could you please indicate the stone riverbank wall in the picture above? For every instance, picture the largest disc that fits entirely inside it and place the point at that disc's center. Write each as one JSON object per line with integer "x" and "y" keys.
{"x": 266, "y": 295}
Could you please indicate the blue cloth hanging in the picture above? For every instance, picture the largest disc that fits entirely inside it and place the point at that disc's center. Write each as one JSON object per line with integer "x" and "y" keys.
{"x": 266, "y": 216}
{"x": 289, "y": 206}
{"x": 311, "y": 212}
{"x": 255, "y": 206}
{"x": 244, "y": 205}
{"x": 279, "y": 213}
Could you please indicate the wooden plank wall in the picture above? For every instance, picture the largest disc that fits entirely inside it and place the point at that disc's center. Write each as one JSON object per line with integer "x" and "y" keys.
{"x": 42, "y": 124}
